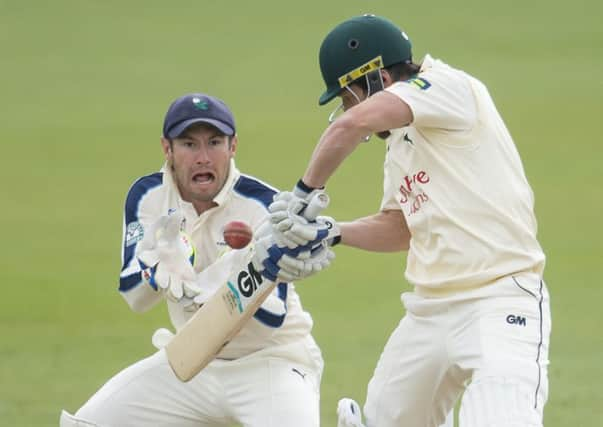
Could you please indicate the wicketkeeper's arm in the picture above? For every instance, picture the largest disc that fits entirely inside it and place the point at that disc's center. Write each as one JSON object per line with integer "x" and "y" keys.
{"x": 132, "y": 287}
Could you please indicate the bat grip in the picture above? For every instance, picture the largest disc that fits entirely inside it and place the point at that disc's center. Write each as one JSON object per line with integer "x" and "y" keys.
{"x": 317, "y": 204}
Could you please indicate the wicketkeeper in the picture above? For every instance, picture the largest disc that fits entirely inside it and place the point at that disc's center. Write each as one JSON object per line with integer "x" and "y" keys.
{"x": 173, "y": 250}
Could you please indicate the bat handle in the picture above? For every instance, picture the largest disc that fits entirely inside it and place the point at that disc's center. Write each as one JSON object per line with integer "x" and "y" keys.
{"x": 317, "y": 204}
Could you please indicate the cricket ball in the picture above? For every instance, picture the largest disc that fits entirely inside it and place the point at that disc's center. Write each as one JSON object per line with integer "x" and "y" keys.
{"x": 237, "y": 234}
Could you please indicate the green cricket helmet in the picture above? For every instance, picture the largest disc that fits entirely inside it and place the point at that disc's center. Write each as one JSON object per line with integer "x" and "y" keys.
{"x": 357, "y": 47}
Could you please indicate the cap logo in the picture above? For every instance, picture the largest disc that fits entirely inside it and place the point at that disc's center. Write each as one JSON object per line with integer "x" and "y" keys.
{"x": 200, "y": 104}
{"x": 374, "y": 64}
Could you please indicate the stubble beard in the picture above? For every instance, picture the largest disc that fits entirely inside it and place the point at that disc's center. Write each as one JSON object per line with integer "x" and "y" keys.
{"x": 193, "y": 196}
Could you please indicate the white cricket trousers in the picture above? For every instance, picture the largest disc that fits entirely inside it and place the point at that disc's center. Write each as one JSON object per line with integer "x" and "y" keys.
{"x": 274, "y": 387}
{"x": 489, "y": 345}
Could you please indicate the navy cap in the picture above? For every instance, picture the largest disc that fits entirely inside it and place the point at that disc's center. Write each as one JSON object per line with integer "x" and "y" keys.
{"x": 197, "y": 108}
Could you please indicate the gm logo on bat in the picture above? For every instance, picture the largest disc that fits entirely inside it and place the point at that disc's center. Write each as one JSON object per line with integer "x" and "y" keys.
{"x": 249, "y": 280}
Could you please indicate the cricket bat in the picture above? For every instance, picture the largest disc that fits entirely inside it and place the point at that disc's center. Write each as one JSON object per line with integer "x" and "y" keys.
{"x": 226, "y": 312}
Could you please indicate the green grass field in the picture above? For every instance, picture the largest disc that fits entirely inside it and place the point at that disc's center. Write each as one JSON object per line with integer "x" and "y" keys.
{"x": 84, "y": 86}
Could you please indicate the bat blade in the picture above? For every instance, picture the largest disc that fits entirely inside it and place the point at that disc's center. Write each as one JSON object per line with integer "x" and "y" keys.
{"x": 222, "y": 316}
{"x": 217, "y": 321}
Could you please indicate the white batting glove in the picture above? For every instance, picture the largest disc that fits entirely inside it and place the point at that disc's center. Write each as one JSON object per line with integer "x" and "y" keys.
{"x": 307, "y": 263}
{"x": 292, "y": 229}
{"x": 334, "y": 231}
{"x": 164, "y": 258}
{"x": 296, "y": 200}
{"x": 282, "y": 264}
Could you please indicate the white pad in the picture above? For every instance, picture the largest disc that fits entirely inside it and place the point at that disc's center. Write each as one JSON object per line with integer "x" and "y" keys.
{"x": 349, "y": 413}
{"x": 497, "y": 402}
{"x": 68, "y": 420}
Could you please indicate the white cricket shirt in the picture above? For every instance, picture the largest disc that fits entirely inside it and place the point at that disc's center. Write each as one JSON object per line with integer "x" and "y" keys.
{"x": 457, "y": 176}
{"x": 281, "y": 318}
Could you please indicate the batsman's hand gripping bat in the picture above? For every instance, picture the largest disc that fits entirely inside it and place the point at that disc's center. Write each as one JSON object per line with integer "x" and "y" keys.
{"x": 226, "y": 312}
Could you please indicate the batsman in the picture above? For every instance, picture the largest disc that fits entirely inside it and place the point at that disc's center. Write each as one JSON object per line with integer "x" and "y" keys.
{"x": 455, "y": 196}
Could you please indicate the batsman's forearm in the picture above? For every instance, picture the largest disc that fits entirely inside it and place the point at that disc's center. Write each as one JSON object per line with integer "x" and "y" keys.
{"x": 336, "y": 143}
{"x": 385, "y": 231}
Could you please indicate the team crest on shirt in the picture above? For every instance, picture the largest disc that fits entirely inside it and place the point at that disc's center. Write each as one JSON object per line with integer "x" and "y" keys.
{"x": 419, "y": 82}
{"x": 134, "y": 233}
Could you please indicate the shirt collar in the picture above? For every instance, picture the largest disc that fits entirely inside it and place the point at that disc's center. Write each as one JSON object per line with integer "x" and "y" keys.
{"x": 427, "y": 62}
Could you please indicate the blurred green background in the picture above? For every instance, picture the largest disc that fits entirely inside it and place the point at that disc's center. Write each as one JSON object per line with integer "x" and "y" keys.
{"x": 84, "y": 86}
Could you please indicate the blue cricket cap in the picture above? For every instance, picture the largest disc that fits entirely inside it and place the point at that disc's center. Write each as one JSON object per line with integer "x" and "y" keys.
{"x": 197, "y": 108}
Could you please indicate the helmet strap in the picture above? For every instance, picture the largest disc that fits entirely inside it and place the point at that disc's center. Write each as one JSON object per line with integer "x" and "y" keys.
{"x": 374, "y": 82}
{"x": 339, "y": 108}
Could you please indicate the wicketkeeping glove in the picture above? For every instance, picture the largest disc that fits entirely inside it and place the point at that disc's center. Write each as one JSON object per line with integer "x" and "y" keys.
{"x": 164, "y": 257}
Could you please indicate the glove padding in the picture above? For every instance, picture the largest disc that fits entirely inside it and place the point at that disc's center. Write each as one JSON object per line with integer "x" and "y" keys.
{"x": 306, "y": 263}
{"x": 163, "y": 257}
{"x": 299, "y": 198}
{"x": 334, "y": 231}
{"x": 279, "y": 263}
{"x": 292, "y": 228}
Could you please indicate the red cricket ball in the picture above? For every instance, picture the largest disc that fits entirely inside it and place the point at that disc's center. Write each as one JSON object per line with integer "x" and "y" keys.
{"x": 237, "y": 234}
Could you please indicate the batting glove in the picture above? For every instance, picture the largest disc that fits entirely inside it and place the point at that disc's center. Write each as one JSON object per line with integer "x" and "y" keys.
{"x": 305, "y": 264}
{"x": 292, "y": 228}
{"x": 165, "y": 257}
{"x": 334, "y": 231}
{"x": 298, "y": 199}
{"x": 283, "y": 264}
{"x": 304, "y": 194}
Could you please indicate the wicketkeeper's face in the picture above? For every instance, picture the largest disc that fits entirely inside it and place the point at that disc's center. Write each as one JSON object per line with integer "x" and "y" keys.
{"x": 200, "y": 162}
